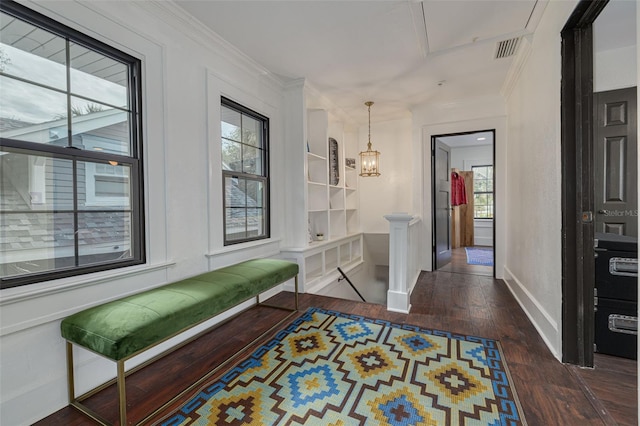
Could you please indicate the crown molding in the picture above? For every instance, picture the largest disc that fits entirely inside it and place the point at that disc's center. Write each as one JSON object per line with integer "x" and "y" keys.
{"x": 515, "y": 70}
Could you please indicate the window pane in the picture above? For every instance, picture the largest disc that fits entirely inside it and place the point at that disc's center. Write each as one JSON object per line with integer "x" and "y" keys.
{"x": 103, "y": 237}
{"x": 98, "y": 77}
{"x": 251, "y": 131}
{"x": 251, "y": 160}
{"x": 36, "y": 242}
{"x": 236, "y": 223}
{"x": 235, "y": 192}
{"x": 230, "y": 124}
{"x": 32, "y": 53}
{"x": 255, "y": 193}
{"x": 112, "y": 186}
{"x": 97, "y": 127}
{"x": 482, "y": 172}
{"x": 104, "y": 186}
{"x": 32, "y": 113}
{"x": 32, "y": 182}
{"x": 255, "y": 222}
{"x": 231, "y": 155}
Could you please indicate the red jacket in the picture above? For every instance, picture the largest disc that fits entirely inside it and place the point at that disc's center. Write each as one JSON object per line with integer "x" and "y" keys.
{"x": 458, "y": 190}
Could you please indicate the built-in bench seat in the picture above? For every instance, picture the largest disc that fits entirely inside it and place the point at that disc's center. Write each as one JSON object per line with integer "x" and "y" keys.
{"x": 123, "y": 328}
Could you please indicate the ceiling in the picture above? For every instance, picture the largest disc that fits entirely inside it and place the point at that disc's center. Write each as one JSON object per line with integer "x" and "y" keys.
{"x": 397, "y": 53}
{"x": 468, "y": 139}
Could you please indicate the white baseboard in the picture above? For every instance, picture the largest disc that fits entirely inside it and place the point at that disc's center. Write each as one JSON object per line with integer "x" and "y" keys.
{"x": 483, "y": 241}
{"x": 546, "y": 326}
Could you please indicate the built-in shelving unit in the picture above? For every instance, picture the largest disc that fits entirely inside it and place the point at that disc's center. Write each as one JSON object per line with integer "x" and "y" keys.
{"x": 331, "y": 208}
{"x": 319, "y": 261}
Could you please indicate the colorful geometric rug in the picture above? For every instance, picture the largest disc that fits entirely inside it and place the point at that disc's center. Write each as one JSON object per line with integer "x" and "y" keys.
{"x": 479, "y": 256}
{"x": 331, "y": 368}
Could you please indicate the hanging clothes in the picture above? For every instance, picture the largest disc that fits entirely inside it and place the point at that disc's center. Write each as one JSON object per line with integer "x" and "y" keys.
{"x": 458, "y": 191}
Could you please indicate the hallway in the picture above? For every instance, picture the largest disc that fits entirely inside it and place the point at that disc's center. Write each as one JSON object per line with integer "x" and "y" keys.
{"x": 550, "y": 392}
{"x": 459, "y": 265}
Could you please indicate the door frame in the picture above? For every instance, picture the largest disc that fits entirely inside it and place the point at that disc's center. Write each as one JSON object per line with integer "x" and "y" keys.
{"x": 577, "y": 145}
{"x": 433, "y": 191}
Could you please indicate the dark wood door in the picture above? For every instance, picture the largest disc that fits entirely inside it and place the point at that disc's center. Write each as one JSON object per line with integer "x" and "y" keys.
{"x": 616, "y": 167}
{"x": 442, "y": 204}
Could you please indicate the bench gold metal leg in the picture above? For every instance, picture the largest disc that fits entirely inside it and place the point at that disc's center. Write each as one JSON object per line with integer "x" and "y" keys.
{"x": 71, "y": 392}
{"x": 268, "y": 305}
{"x": 122, "y": 395}
{"x": 76, "y": 402}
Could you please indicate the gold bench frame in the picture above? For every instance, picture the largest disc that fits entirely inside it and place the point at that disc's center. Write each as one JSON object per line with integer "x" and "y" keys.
{"x": 121, "y": 375}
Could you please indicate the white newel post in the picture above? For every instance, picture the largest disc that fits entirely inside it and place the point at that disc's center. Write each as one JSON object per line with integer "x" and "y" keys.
{"x": 398, "y": 293}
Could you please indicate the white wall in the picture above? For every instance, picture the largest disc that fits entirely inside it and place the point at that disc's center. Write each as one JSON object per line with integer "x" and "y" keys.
{"x": 185, "y": 70}
{"x": 464, "y": 157}
{"x": 615, "y": 67}
{"x": 466, "y": 116}
{"x": 392, "y": 191}
{"x": 534, "y": 181}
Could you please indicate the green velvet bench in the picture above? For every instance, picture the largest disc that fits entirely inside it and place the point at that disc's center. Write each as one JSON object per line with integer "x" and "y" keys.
{"x": 124, "y": 328}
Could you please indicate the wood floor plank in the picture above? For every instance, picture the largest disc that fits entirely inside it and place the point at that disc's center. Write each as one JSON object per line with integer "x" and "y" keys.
{"x": 549, "y": 391}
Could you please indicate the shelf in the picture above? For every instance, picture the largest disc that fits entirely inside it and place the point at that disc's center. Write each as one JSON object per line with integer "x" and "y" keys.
{"x": 345, "y": 254}
{"x": 315, "y": 157}
{"x": 313, "y": 266}
{"x": 331, "y": 259}
{"x": 330, "y": 209}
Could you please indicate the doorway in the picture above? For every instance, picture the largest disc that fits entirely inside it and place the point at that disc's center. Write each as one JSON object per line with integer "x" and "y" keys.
{"x": 464, "y": 202}
{"x": 590, "y": 171}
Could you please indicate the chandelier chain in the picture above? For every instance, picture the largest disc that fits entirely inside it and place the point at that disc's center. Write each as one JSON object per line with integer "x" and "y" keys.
{"x": 369, "y": 123}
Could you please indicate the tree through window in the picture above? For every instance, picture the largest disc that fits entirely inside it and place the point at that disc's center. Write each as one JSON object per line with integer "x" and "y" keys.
{"x": 482, "y": 192}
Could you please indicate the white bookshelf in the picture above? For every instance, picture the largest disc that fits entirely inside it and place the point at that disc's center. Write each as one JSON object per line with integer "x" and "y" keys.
{"x": 330, "y": 208}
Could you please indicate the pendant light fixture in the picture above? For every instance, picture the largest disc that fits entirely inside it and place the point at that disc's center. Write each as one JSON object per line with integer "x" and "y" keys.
{"x": 369, "y": 159}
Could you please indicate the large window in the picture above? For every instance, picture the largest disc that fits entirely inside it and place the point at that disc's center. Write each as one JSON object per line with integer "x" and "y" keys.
{"x": 245, "y": 173}
{"x": 70, "y": 159}
{"x": 482, "y": 192}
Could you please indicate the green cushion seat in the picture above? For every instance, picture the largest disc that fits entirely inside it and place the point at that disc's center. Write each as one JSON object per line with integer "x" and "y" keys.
{"x": 121, "y": 328}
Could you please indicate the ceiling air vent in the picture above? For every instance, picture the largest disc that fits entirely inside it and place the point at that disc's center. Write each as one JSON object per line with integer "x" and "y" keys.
{"x": 506, "y": 48}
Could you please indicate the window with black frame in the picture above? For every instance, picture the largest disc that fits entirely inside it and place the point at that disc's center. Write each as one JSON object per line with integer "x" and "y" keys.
{"x": 245, "y": 173}
{"x": 482, "y": 192}
{"x": 70, "y": 158}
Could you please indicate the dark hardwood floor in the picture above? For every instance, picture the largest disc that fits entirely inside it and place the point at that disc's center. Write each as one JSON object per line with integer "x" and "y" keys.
{"x": 550, "y": 393}
{"x": 459, "y": 265}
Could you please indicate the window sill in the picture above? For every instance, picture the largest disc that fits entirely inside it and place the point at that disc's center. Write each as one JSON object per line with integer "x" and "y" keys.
{"x": 23, "y": 293}
{"x": 243, "y": 246}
